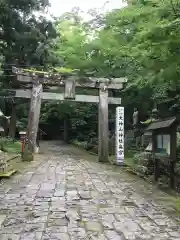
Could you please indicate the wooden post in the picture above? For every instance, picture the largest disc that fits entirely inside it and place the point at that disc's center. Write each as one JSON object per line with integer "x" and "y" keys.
{"x": 34, "y": 114}
{"x": 69, "y": 92}
{"x": 12, "y": 126}
{"x": 156, "y": 160}
{"x": 173, "y": 143}
{"x": 103, "y": 154}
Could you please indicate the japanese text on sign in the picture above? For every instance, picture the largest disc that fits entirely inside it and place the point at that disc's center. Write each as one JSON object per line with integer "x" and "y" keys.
{"x": 120, "y": 134}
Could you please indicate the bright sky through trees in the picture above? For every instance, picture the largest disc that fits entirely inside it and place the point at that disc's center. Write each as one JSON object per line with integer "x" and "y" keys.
{"x": 58, "y": 7}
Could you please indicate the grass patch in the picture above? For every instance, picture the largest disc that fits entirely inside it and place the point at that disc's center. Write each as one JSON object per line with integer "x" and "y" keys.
{"x": 129, "y": 154}
{"x": 12, "y": 147}
{"x": 129, "y": 159}
{"x": 178, "y": 205}
{"x": 129, "y": 162}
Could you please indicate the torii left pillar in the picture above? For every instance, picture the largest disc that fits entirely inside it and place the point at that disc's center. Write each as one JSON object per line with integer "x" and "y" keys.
{"x": 33, "y": 120}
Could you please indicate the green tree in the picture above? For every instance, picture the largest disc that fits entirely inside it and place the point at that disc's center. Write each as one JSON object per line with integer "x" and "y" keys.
{"x": 73, "y": 41}
{"x": 141, "y": 41}
{"x": 27, "y": 38}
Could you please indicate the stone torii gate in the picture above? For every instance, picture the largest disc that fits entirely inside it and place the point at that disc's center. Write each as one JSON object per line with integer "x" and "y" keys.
{"x": 36, "y": 80}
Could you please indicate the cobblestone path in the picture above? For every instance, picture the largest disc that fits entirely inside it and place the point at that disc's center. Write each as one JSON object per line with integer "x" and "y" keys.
{"x": 62, "y": 195}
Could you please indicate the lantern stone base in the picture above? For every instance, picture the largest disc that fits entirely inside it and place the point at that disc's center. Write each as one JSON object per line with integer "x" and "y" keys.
{"x": 27, "y": 155}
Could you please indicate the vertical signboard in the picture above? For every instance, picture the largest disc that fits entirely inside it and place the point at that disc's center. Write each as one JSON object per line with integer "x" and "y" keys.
{"x": 120, "y": 135}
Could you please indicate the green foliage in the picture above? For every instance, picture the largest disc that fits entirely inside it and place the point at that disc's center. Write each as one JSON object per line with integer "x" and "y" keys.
{"x": 148, "y": 37}
{"x": 26, "y": 38}
{"x": 21, "y": 125}
{"x": 177, "y": 168}
{"x": 9, "y": 145}
{"x": 140, "y": 41}
{"x": 142, "y": 163}
{"x": 178, "y": 205}
{"x": 13, "y": 147}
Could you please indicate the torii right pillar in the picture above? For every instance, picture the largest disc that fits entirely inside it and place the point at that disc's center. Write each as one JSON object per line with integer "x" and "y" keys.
{"x": 103, "y": 141}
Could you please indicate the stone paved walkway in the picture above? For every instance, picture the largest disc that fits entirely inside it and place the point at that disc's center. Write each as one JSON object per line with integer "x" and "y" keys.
{"x": 61, "y": 196}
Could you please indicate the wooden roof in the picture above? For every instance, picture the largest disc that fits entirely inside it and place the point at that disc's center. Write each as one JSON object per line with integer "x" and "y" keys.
{"x": 161, "y": 124}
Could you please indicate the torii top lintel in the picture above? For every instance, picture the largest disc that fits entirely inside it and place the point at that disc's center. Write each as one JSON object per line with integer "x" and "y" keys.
{"x": 28, "y": 77}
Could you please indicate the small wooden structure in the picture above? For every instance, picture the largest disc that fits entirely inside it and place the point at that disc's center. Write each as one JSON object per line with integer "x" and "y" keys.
{"x": 35, "y": 82}
{"x": 164, "y": 145}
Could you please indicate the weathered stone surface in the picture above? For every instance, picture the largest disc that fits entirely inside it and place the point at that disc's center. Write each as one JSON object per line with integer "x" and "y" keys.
{"x": 59, "y": 193}
{"x": 100, "y": 237}
{"x": 2, "y": 218}
{"x": 64, "y": 196}
{"x": 57, "y": 222}
{"x": 9, "y": 237}
{"x": 31, "y": 236}
{"x": 72, "y": 215}
{"x": 78, "y": 233}
{"x": 93, "y": 226}
{"x": 175, "y": 234}
{"x": 56, "y": 236}
{"x": 112, "y": 235}
{"x": 85, "y": 195}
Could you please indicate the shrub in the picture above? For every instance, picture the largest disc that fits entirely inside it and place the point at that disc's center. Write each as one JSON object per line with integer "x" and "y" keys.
{"x": 5, "y": 141}
{"x": 143, "y": 163}
{"x": 177, "y": 168}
